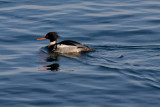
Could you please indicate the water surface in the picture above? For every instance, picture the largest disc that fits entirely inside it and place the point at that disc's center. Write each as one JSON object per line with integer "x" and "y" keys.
{"x": 123, "y": 72}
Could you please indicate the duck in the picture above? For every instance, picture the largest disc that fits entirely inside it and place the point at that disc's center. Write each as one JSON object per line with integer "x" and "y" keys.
{"x": 66, "y": 46}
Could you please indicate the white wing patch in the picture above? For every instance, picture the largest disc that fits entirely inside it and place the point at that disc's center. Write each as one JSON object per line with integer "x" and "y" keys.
{"x": 67, "y": 48}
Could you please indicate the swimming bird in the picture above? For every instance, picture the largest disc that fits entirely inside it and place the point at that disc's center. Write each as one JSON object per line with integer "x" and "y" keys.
{"x": 66, "y": 46}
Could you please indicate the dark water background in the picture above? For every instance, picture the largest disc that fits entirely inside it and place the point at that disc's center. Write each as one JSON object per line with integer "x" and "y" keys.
{"x": 123, "y": 72}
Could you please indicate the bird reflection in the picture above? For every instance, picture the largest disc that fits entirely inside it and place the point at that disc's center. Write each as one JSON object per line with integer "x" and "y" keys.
{"x": 52, "y": 57}
{"x": 52, "y": 67}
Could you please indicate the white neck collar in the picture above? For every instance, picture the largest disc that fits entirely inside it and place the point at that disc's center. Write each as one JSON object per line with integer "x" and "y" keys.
{"x": 52, "y": 43}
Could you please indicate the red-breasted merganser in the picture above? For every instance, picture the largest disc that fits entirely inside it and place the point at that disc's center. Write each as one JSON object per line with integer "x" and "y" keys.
{"x": 67, "y": 46}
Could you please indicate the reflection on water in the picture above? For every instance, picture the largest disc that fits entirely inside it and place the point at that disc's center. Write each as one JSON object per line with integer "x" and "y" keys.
{"x": 50, "y": 56}
{"x": 52, "y": 67}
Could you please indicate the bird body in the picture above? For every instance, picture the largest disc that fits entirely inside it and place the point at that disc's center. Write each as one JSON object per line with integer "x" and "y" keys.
{"x": 67, "y": 46}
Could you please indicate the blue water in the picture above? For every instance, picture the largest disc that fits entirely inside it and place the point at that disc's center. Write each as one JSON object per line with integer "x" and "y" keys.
{"x": 123, "y": 72}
